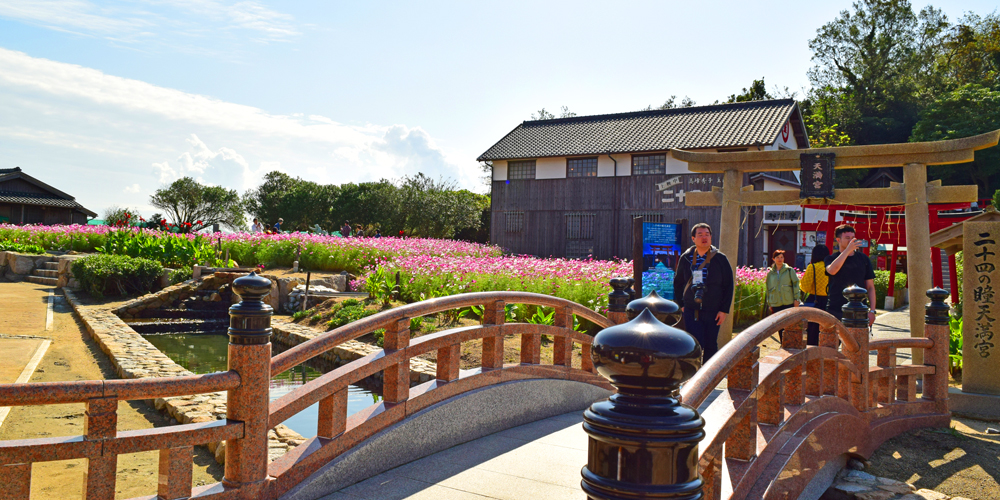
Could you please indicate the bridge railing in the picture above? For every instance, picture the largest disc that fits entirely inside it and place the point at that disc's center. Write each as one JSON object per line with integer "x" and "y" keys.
{"x": 756, "y": 429}
{"x": 101, "y": 442}
{"x": 337, "y": 433}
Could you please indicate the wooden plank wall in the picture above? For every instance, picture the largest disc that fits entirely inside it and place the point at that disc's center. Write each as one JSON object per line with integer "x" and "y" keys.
{"x": 614, "y": 201}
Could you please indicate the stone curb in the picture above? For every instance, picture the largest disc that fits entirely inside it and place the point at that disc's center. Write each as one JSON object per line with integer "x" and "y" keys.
{"x": 134, "y": 357}
{"x": 858, "y": 485}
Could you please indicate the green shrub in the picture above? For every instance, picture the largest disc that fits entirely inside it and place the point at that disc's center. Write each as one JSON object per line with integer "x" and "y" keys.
{"x": 882, "y": 286}
{"x": 180, "y": 275}
{"x": 955, "y": 345}
{"x": 10, "y": 246}
{"x": 116, "y": 274}
{"x": 168, "y": 249}
{"x": 349, "y": 313}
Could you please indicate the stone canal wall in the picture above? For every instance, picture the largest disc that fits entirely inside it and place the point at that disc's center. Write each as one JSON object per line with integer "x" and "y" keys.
{"x": 134, "y": 357}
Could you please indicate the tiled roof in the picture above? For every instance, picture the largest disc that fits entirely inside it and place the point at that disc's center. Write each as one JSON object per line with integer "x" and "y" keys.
{"x": 5, "y": 171}
{"x": 32, "y": 199}
{"x": 724, "y": 125}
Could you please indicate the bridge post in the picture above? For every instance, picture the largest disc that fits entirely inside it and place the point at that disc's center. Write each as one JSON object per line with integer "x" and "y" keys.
{"x": 662, "y": 309}
{"x": 250, "y": 356}
{"x": 643, "y": 440}
{"x": 856, "y": 321}
{"x": 618, "y": 299}
{"x": 936, "y": 328}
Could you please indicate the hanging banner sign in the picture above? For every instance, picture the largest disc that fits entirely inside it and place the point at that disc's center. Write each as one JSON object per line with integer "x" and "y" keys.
{"x": 817, "y": 175}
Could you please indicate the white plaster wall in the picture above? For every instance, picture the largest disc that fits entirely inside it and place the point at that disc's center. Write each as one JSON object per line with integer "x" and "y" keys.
{"x": 790, "y": 142}
{"x": 500, "y": 170}
{"x": 606, "y": 167}
{"x": 550, "y": 168}
{"x": 775, "y": 186}
{"x": 624, "y": 164}
{"x": 674, "y": 166}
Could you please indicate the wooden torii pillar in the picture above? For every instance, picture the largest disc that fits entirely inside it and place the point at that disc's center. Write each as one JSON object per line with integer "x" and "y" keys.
{"x": 915, "y": 193}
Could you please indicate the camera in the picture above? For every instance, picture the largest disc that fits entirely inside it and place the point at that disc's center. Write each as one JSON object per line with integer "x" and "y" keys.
{"x": 699, "y": 293}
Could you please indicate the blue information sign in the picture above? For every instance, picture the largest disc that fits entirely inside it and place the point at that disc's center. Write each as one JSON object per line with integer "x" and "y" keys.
{"x": 661, "y": 247}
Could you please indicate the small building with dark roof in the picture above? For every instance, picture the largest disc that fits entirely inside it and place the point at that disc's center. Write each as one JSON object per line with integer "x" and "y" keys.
{"x": 569, "y": 187}
{"x": 27, "y": 200}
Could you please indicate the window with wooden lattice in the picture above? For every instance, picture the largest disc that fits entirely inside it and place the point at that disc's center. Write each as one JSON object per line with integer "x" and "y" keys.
{"x": 513, "y": 222}
{"x": 580, "y": 226}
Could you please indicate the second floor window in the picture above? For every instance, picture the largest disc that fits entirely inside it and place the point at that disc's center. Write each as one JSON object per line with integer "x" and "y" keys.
{"x": 649, "y": 164}
{"x": 521, "y": 169}
{"x": 581, "y": 167}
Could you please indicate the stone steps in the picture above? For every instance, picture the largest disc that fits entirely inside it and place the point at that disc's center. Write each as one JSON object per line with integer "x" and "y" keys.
{"x": 42, "y": 280}
{"x": 47, "y": 276}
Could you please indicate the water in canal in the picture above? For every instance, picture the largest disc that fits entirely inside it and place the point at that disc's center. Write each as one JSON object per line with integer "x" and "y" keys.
{"x": 207, "y": 353}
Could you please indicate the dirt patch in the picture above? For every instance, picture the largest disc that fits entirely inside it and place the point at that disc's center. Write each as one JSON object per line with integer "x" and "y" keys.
{"x": 74, "y": 356}
{"x": 961, "y": 461}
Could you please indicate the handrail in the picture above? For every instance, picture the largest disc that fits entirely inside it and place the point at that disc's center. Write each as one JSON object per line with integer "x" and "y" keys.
{"x": 313, "y": 391}
{"x": 43, "y": 393}
{"x": 324, "y": 342}
{"x": 901, "y": 343}
{"x": 694, "y": 392}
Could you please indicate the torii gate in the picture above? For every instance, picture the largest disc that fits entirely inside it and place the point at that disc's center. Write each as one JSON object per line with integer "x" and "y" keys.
{"x": 915, "y": 193}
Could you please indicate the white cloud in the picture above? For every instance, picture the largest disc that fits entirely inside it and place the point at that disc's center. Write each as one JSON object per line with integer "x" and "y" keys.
{"x": 156, "y": 22}
{"x": 134, "y": 188}
{"x": 100, "y": 133}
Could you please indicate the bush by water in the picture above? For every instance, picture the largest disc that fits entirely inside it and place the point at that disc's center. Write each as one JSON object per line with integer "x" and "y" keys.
{"x": 116, "y": 274}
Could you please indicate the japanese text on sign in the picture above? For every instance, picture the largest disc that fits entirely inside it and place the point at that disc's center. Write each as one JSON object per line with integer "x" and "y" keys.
{"x": 816, "y": 178}
{"x": 983, "y": 294}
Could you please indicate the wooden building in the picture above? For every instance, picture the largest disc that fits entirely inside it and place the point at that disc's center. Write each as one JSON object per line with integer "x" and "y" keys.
{"x": 26, "y": 200}
{"x": 569, "y": 187}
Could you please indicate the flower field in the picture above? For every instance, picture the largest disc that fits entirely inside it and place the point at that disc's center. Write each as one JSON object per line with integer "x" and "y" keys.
{"x": 427, "y": 267}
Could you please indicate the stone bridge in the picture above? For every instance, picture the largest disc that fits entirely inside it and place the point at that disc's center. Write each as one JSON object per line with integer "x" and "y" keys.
{"x": 780, "y": 420}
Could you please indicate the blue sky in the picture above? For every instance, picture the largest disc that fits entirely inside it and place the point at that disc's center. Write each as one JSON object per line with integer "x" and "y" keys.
{"x": 110, "y": 100}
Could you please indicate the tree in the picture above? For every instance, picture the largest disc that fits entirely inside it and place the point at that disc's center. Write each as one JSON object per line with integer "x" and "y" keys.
{"x": 121, "y": 216}
{"x": 435, "y": 209}
{"x": 542, "y": 115}
{"x": 192, "y": 206}
{"x": 871, "y": 65}
{"x": 971, "y": 53}
{"x": 969, "y": 110}
{"x": 566, "y": 113}
{"x": 671, "y": 103}
{"x": 756, "y": 92}
{"x": 303, "y": 204}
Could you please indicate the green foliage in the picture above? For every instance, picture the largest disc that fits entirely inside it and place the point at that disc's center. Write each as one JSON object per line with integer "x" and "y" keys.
{"x": 882, "y": 285}
{"x": 345, "y": 314}
{"x": 301, "y": 203}
{"x": 180, "y": 275}
{"x": 121, "y": 216}
{"x": 187, "y": 200}
{"x": 417, "y": 205}
{"x": 297, "y": 315}
{"x": 955, "y": 344}
{"x": 749, "y": 302}
{"x": 173, "y": 251}
{"x": 416, "y": 324}
{"x": 381, "y": 285}
{"x": 756, "y": 92}
{"x": 26, "y": 248}
{"x": 116, "y": 274}
{"x": 968, "y": 110}
{"x": 871, "y": 65}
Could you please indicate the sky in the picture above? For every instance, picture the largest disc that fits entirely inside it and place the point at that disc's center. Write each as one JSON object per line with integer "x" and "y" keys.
{"x": 109, "y": 101}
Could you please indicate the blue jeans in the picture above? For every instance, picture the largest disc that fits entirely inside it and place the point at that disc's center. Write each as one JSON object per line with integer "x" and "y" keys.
{"x": 704, "y": 330}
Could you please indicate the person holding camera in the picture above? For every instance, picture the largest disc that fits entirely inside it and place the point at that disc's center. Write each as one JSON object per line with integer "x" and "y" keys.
{"x": 703, "y": 288}
{"x": 849, "y": 267}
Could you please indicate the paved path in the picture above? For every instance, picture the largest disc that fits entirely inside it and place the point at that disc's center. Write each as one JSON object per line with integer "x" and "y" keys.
{"x": 537, "y": 460}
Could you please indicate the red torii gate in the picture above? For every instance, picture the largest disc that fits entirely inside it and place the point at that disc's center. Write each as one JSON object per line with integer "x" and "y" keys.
{"x": 885, "y": 225}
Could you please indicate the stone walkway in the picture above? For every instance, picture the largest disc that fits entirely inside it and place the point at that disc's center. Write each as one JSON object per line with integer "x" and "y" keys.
{"x": 537, "y": 460}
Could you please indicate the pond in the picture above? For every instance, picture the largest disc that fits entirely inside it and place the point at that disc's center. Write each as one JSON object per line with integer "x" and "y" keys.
{"x": 207, "y": 353}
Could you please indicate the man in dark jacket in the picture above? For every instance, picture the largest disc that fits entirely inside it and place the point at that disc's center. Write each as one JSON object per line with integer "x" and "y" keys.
{"x": 715, "y": 282}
